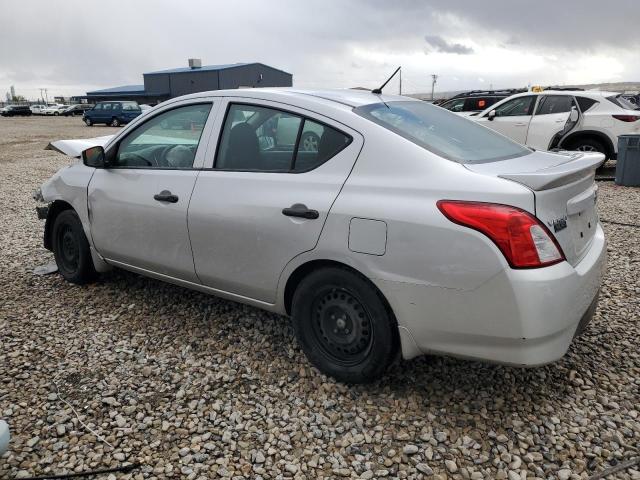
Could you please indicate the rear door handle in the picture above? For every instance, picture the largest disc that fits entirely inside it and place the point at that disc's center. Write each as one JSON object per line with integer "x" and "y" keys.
{"x": 520, "y": 124}
{"x": 165, "y": 196}
{"x": 300, "y": 210}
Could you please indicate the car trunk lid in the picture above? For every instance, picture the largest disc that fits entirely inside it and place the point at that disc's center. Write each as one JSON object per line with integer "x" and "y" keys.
{"x": 565, "y": 193}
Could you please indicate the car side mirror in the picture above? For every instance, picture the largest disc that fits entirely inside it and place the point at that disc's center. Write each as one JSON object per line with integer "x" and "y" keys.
{"x": 491, "y": 115}
{"x": 94, "y": 157}
{"x": 574, "y": 115}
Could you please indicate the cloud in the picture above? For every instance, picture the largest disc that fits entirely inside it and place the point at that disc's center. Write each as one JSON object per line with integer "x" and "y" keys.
{"x": 439, "y": 44}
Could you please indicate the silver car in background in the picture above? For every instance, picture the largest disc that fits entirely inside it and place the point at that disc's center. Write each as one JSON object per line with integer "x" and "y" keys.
{"x": 404, "y": 230}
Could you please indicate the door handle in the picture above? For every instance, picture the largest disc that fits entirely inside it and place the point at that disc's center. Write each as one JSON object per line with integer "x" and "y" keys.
{"x": 520, "y": 124}
{"x": 300, "y": 210}
{"x": 165, "y": 196}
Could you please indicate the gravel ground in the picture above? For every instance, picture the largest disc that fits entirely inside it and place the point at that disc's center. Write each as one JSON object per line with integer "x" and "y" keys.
{"x": 193, "y": 387}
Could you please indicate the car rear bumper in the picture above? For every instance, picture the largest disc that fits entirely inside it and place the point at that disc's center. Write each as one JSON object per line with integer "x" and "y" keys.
{"x": 518, "y": 317}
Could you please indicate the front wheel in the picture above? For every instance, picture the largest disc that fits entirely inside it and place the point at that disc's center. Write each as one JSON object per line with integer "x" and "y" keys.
{"x": 88, "y": 122}
{"x": 343, "y": 325}
{"x": 115, "y": 122}
{"x": 71, "y": 249}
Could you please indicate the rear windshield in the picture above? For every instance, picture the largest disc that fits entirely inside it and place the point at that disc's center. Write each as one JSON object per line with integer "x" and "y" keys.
{"x": 442, "y": 132}
{"x": 623, "y": 102}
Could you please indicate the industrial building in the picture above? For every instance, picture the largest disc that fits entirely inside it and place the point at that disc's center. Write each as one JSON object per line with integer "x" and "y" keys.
{"x": 165, "y": 84}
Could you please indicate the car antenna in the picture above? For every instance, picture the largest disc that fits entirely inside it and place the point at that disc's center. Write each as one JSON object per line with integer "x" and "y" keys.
{"x": 378, "y": 91}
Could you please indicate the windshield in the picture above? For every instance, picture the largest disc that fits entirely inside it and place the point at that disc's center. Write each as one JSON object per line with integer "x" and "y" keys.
{"x": 623, "y": 102}
{"x": 442, "y": 132}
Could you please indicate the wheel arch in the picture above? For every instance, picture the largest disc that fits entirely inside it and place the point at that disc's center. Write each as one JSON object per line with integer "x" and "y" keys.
{"x": 55, "y": 209}
{"x": 602, "y": 137}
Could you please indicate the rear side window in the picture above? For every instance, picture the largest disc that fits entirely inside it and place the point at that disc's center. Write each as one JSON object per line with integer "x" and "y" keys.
{"x": 550, "y": 104}
{"x": 443, "y": 133}
{"x": 130, "y": 106}
{"x": 263, "y": 139}
{"x": 585, "y": 103}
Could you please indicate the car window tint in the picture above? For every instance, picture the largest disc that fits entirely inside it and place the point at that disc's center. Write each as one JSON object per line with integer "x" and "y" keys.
{"x": 516, "y": 107}
{"x": 116, "y": 106}
{"x": 454, "y": 105}
{"x": 318, "y": 143}
{"x": 585, "y": 103}
{"x": 443, "y": 133}
{"x": 167, "y": 140}
{"x": 258, "y": 138}
{"x": 554, "y": 104}
{"x": 130, "y": 106}
{"x": 98, "y": 107}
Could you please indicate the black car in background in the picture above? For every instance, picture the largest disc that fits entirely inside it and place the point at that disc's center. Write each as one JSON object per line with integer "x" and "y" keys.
{"x": 476, "y": 100}
{"x": 78, "y": 109}
{"x": 16, "y": 110}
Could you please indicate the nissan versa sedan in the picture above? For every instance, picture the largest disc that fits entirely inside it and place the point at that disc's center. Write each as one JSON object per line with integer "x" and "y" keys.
{"x": 408, "y": 230}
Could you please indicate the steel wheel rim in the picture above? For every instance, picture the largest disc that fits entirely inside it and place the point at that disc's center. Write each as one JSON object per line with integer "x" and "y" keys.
{"x": 341, "y": 326}
{"x": 310, "y": 144}
{"x": 69, "y": 249}
{"x": 587, "y": 148}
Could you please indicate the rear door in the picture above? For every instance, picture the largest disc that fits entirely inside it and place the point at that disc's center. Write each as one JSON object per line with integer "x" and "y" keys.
{"x": 550, "y": 119}
{"x": 266, "y": 197}
{"x": 512, "y": 117}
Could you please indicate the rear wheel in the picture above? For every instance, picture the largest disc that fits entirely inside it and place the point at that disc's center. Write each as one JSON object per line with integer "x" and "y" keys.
{"x": 588, "y": 144}
{"x": 115, "y": 122}
{"x": 71, "y": 249}
{"x": 343, "y": 325}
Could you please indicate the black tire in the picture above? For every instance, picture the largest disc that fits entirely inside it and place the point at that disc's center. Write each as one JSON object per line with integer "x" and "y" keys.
{"x": 343, "y": 325}
{"x": 588, "y": 144}
{"x": 55, "y": 114}
{"x": 115, "y": 122}
{"x": 71, "y": 249}
{"x": 88, "y": 122}
{"x": 309, "y": 142}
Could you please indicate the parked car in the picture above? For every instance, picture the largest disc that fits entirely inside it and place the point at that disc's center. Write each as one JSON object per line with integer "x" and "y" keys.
{"x": 409, "y": 230}
{"x": 37, "y": 109}
{"x": 55, "y": 110}
{"x": 77, "y": 109}
{"x": 16, "y": 110}
{"x": 588, "y": 121}
{"x": 475, "y": 101}
{"x": 112, "y": 113}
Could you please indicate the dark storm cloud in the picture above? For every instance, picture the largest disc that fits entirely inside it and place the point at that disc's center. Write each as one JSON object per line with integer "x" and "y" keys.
{"x": 82, "y": 45}
{"x": 439, "y": 44}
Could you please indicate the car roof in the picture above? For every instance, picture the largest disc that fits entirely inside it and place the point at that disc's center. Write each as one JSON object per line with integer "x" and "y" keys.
{"x": 344, "y": 97}
{"x": 581, "y": 93}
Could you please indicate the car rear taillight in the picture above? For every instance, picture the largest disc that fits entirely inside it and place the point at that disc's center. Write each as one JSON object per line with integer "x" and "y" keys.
{"x": 522, "y": 238}
{"x": 627, "y": 118}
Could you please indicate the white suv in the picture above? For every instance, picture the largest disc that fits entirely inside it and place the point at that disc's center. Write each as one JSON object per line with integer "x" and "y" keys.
{"x": 571, "y": 120}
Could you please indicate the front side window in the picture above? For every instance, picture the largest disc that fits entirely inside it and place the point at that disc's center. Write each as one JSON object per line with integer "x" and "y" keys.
{"x": 256, "y": 138}
{"x": 443, "y": 133}
{"x": 550, "y": 104}
{"x": 168, "y": 140}
{"x": 454, "y": 105}
{"x": 98, "y": 107}
{"x": 521, "y": 106}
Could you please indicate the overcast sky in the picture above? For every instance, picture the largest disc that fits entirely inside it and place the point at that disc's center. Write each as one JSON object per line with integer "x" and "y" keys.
{"x": 71, "y": 46}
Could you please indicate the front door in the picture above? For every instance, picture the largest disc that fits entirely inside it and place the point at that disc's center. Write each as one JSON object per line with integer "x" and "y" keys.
{"x": 138, "y": 206}
{"x": 267, "y": 196}
{"x": 512, "y": 118}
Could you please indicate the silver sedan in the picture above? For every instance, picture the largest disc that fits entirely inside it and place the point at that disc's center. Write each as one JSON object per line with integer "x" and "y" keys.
{"x": 404, "y": 229}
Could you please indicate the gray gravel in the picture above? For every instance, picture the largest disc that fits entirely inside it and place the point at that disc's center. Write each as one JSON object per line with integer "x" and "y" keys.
{"x": 196, "y": 387}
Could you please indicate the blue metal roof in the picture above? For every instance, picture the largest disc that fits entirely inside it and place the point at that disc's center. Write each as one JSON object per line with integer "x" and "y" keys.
{"x": 133, "y": 89}
{"x": 204, "y": 68}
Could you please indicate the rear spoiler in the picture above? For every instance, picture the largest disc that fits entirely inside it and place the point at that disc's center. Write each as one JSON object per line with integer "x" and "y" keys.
{"x": 579, "y": 165}
{"x": 74, "y": 148}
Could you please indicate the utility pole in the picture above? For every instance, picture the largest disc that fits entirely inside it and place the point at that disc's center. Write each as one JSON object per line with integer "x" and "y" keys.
{"x": 46, "y": 95}
{"x": 400, "y": 80}
{"x": 434, "y": 79}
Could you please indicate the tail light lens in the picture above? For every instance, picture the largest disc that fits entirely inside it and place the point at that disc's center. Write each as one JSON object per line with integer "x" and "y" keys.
{"x": 627, "y": 118}
{"x": 522, "y": 238}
